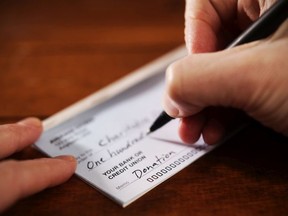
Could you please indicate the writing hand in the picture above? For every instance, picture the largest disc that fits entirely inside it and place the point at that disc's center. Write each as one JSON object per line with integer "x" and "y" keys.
{"x": 202, "y": 88}
{"x": 22, "y": 178}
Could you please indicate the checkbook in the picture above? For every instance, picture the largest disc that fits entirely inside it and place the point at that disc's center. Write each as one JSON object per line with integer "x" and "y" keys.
{"x": 107, "y": 133}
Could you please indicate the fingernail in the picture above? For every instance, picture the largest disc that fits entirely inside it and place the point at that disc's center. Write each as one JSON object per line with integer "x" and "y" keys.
{"x": 31, "y": 122}
{"x": 68, "y": 158}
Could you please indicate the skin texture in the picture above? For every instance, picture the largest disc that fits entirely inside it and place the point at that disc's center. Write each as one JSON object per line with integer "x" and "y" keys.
{"x": 23, "y": 178}
{"x": 210, "y": 89}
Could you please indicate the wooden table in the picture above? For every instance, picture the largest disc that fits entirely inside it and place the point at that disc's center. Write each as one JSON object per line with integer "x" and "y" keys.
{"x": 53, "y": 53}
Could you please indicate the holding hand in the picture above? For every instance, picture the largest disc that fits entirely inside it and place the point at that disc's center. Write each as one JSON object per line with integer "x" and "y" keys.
{"x": 202, "y": 88}
{"x": 20, "y": 179}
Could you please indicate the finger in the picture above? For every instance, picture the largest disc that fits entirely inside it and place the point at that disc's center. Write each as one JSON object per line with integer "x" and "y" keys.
{"x": 213, "y": 131}
{"x": 212, "y": 79}
{"x": 14, "y": 137}
{"x": 251, "y": 79}
{"x": 20, "y": 179}
{"x": 191, "y": 127}
{"x": 211, "y": 25}
{"x": 204, "y": 21}
{"x": 213, "y": 123}
{"x": 209, "y": 122}
{"x": 222, "y": 121}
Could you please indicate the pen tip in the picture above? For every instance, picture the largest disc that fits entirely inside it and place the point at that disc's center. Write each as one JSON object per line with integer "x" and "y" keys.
{"x": 148, "y": 132}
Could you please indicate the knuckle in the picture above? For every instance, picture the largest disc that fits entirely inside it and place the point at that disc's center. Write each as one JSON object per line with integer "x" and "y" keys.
{"x": 14, "y": 134}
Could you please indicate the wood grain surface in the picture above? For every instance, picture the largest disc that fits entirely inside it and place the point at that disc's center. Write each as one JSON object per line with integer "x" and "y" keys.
{"x": 55, "y": 52}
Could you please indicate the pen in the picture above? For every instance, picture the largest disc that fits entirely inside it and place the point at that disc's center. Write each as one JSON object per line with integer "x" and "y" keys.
{"x": 261, "y": 28}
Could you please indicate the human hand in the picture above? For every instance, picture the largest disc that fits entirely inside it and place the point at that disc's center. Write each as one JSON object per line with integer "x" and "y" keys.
{"x": 21, "y": 179}
{"x": 202, "y": 88}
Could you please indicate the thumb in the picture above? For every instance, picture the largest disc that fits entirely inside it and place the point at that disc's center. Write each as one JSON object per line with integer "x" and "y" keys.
{"x": 252, "y": 78}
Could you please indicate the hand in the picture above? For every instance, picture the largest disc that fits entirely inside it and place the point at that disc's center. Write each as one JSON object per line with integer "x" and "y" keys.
{"x": 208, "y": 90}
{"x": 21, "y": 179}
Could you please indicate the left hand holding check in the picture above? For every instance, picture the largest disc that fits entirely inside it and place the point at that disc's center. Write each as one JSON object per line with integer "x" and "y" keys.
{"x": 23, "y": 178}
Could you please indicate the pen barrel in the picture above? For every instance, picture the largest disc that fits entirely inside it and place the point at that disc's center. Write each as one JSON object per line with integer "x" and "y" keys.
{"x": 162, "y": 119}
{"x": 265, "y": 25}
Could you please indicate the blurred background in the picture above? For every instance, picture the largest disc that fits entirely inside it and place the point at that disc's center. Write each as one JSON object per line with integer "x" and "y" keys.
{"x": 55, "y": 52}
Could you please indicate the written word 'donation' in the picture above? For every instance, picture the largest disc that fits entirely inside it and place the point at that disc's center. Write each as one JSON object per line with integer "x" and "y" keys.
{"x": 157, "y": 162}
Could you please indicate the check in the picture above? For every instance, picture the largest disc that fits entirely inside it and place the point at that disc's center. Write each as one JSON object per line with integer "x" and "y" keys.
{"x": 109, "y": 140}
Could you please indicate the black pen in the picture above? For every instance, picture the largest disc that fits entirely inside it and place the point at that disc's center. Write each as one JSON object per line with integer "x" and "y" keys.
{"x": 261, "y": 28}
